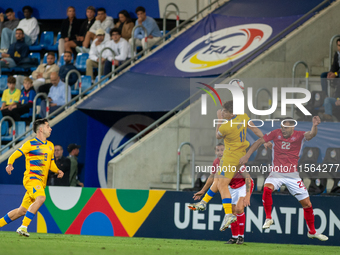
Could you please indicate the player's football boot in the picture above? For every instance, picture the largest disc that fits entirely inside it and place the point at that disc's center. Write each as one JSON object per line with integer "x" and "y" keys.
{"x": 201, "y": 206}
{"x": 231, "y": 241}
{"x": 23, "y": 231}
{"x": 267, "y": 223}
{"x": 321, "y": 237}
{"x": 228, "y": 219}
{"x": 240, "y": 240}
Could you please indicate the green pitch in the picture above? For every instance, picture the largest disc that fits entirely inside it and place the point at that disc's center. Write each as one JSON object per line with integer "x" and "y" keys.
{"x": 50, "y": 244}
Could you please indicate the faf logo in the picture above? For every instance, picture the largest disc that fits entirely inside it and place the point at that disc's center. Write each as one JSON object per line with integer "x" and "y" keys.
{"x": 221, "y": 47}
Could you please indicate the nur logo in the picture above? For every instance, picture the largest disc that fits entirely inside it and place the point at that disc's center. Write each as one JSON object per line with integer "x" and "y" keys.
{"x": 222, "y": 47}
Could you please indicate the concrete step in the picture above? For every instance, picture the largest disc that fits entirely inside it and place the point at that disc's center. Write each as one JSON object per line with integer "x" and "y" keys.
{"x": 172, "y": 178}
{"x": 168, "y": 186}
{"x": 318, "y": 70}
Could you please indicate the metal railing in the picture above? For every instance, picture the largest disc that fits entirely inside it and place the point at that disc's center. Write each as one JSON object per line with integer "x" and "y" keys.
{"x": 41, "y": 94}
{"x": 269, "y": 100}
{"x": 75, "y": 86}
{"x": 166, "y": 15}
{"x": 223, "y": 75}
{"x": 293, "y": 80}
{"x": 100, "y": 62}
{"x": 133, "y": 40}
{"x": 192, "y": 165}
{"x": 13, "y": 128}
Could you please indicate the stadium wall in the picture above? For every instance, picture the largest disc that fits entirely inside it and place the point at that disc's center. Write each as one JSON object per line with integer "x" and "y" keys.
{"x": 164, "y": 214}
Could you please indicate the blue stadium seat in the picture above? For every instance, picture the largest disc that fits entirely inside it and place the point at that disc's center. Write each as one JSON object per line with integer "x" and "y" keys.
{"x": 35, "y": 46}
{"x": 86, "y": 82}
{"x": 3, "y": 82}
{"x": 46, "y": 39}
{"x": 45, "y": 58}
{"x": 103, "y": 82}
{"x": 20, "y": 128}
{"x": 3, "y": 152}
{"x": 34, "y": 55}
{"x": 81, "y": 61}
{"x": 62, "y": 61}
{"x": 54, "y": 47}
{"x": 4, "y": 128}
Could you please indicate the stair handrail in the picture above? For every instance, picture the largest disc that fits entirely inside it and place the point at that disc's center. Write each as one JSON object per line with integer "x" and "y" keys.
{"x": 13, "y": 127}
{"x": 133, "y": 47}
{"x": 220, "y": 77}
{"x": 165, "y": 16}
{"x": 293, "y": 79}
{"x": 67, "y": 81}
{"x": 192, "y": 165}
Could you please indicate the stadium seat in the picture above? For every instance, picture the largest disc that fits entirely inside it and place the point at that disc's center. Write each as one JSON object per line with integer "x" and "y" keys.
{"x": 81, "y": 61}
{"x": 46, "y": 39}
{"x": 62, "y": 61}
{"x": 53, "y": 47}
{"x": 314, "y": 105}
{"x": 34, "y": 55}
{"x": 35, "y": 46}
{"x": 317, "y": 186}
{"x": 86, "y": 82}
{"x": 45, "y": 58}
{"x": 3, "y": 82}
{"x": 310, "y": 155}
{"x": 20, "y": 128}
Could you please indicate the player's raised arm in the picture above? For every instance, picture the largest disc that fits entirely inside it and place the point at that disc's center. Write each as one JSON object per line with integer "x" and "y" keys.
{"x": 220, "y": 117}
{"x": 251, "y": 150}
{"x": 310, "y": 134}
{"x": 16, "y": 154}
{"x": 258, "y": 133}
{"x": 205, "y": 188}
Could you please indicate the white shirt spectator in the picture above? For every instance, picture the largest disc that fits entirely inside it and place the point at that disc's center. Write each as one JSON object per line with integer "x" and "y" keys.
{"x": 30, "y": 27}
{"x": 96, "y": 49}
{"x": 105, "y": 25}
{"x": 121, "y": 49}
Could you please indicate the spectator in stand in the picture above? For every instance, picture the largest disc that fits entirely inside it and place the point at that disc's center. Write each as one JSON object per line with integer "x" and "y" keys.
{"x": 29, "y": 25}
{"x": 56, "y": 96}
{"x": 62, "y": 73}
{"x": 63, "y": 164}
{"x": 120, "y": 47}
{"x": 11, "y": 22}
{"x": 11, "y": 95}
{"x": 90, "y": 14}
{"x": 151, "y": 27}
{"x": 42, "y": 74}
{"x": 17, "y": 51}
{"x": 25, "y": 103}
{"x": 69, "y": 29}
{"x": 334, "y": 72}
{"x": 125, "y": 24}
{"x": 73, "y": 149}
{"x": 329, "y": 104}
{"x": 96, "y": 47}
{"x": 102, "y": 22}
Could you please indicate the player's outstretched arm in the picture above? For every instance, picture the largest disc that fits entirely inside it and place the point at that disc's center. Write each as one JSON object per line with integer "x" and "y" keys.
{"x": 246, "y": 201}
{"x": 258, "y": 133}
{"x": 310, "y": 134}
{"x": 251, "y": 150}
{"x": 205, "y": 188}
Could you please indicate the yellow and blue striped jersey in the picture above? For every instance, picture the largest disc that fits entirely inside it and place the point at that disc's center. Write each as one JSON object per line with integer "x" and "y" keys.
{"x": 234, "y": 133}
{"x": 39, "y": 159}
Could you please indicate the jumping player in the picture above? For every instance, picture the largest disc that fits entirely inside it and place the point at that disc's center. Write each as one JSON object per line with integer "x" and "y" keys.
{"x": 287, "y": 146}
{"x": 39, "y": 155}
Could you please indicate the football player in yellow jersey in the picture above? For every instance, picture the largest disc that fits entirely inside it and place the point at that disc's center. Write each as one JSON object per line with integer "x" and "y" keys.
{"x": 233, "y": 132}
{"x": 39, "y": 155}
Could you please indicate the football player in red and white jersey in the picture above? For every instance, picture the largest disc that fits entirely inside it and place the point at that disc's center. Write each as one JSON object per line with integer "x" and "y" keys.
{"x": 240, "y": 187}
{"x": 287, "y": 147}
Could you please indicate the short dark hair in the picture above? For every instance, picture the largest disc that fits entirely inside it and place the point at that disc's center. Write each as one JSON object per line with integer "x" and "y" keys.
{"x": 101, "y": 9}
{"x": 91, "y": 8}
{"x": 11, "y": 80}
{"x": 71, "y": 7}
{"x": 9, "y": 10}
{"x": 338, "y": 40}
{"x": 140, "y": 9}
{"x": 51, "y": 53}
{"x": 69, "y": 52}
{"x": 116, "y": 29}
{"x": 228, "y": 106}
{"x": 219, "y": 144}
{"x": 27, "y": 7}
{"x": 20, "y": 30}
{"x": 38, "y": 123}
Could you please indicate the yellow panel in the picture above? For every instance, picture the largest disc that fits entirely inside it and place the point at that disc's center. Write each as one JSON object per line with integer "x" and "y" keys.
{"x": 132, "y": 221}
{"x": 41, "y": 224}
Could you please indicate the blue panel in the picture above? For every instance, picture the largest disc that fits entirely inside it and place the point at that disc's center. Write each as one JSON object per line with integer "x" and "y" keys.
{"x": 97, "y": 224}
{"x": 148, "y": 92}
{"x": 51, "y": 225}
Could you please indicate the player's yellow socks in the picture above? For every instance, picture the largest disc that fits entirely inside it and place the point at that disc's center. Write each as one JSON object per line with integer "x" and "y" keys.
{"x": 5, "y": 220}
{"x": 27, "y": 219}
{"x": 227, "y": 205}
{"x": 208, "y": 196}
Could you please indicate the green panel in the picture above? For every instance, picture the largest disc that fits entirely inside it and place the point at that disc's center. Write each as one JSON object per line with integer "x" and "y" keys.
{"x": 132, "y": 200}
{"x": 64, "y": 218}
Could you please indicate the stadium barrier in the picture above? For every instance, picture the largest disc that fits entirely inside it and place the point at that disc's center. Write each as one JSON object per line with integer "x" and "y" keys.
{"x": 164, "y": 214}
